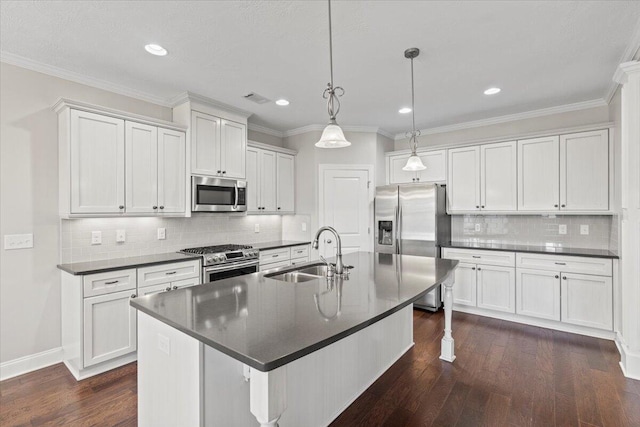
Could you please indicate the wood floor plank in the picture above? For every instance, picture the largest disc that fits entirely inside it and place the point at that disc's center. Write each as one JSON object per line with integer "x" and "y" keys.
{"x": 497, "y": 410}
{"x": 566, "y": 412}
{"x": 586, "y": 399}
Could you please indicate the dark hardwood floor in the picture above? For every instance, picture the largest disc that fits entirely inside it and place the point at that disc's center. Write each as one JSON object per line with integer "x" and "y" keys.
{"x": 505, "y": 374}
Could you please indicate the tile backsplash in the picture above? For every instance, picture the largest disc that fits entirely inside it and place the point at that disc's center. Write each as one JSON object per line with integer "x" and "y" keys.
{"x": 141, "y": 234}
{"x": 536, "y": 230}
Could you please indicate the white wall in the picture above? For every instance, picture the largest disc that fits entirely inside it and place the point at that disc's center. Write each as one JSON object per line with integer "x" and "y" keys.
{"x": 265, "y": 138}
{"x": 29, "y": 280}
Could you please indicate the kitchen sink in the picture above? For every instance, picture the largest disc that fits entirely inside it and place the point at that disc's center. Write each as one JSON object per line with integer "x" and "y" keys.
{"x": 300, "y": 274}
{"x": 316, "y": 270}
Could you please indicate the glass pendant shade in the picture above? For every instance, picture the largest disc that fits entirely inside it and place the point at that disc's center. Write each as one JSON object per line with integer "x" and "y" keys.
{"x": 414, "y": 163}
{"x": 332, "y": 137}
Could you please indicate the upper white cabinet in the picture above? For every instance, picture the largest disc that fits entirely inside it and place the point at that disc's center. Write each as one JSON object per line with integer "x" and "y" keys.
{"x": 539, "y": 174}
{"x": 218, "y": 146}
{"x": 498, "y": 177}
{"x": 116, "y": 164}
{"x": 270, "y": 176}
{"x": 463, "y": 183}
{"x": 435, "y": 161}
{"x": 584, "y": 171}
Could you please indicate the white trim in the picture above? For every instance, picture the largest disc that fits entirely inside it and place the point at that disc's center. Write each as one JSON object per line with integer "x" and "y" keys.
{"x": 100, "y": 368}
{"x": 629, "y": 360}
{"x": 511, "y": 117}
{"x": 632, "y": 52}
{"x": 194, "y": 97}
{"x": 270, "y": 147}
{"x": 263, "y": 129}
{"x": 320, "y": 128}
{"x": 29, "y": 363}
{"x": 624, "y": 69}
{"x": 21, "y": 61}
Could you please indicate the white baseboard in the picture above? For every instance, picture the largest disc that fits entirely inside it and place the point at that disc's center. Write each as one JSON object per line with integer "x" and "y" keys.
{"x": 81, "y": 374}
{"x": 29, "y": 363}
{"x": 629, "y": 360}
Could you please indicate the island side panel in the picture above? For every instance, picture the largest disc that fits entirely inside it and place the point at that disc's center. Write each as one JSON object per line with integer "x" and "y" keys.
{"x": 319, "y": 386}
{"x": 169, "y": 375}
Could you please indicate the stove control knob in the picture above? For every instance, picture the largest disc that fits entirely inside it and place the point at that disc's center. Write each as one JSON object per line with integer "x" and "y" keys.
{"x": 209, "y": 259}
{"x": 216, "y": 258}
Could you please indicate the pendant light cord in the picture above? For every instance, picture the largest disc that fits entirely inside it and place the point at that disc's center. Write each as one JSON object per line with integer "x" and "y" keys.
{"x": 330, "y": 46}
{"x": 413, "y": 97}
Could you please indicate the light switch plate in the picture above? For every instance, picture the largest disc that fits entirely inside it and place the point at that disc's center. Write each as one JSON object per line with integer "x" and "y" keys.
{"x": 562, "y": 229}
{"x": 121, "y": 236}
{"x": 477, "y": 227}
{"x": 256, "y": 228}
{"x": 96, "y": 237}
{"x": 304, "y": 226}
{"x": 18, "y": 241}
{"x": 162, "y": 233}
{"x": 584, "y": 229}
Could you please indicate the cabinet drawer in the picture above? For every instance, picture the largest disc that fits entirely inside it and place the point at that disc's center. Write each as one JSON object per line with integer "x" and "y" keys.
{"x": 166, "y": 273}
{"x": 295, "y": 261}
{"x": 300, "y": 251}
{"x": 109, "y": 282}
{"x": 505, "y": 259}
{"x": 275, "y": 255}
{"x": 566, "y": 264}
{"x": 185, "y": 283}
{"x": 271, "y": 266}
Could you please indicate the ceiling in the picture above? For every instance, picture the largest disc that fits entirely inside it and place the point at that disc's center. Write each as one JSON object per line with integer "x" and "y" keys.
{"x": 542, "y": 54}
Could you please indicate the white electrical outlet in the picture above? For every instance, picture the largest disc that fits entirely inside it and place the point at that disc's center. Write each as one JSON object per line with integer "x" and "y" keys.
{"x": 562, "y": 229}
{"x": 162, "y": 233}
{"x": 584, "y": 229}
{"x": 121, "y": 236}
{"x": 304, "y": 226}
{"x": 477, "y": 227}
{"x": 256, "y": 228}
{"x": 96, "y": 237}
{"x": 164, "y": 344}
{"x": 18, "y": 241}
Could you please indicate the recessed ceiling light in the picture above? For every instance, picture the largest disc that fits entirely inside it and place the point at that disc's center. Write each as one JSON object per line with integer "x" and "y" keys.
{"x": 282, "y": 102}
{"x": 492, "y": 91}
{"x": 156, "y": 49}
{"x": 404, "y": 110}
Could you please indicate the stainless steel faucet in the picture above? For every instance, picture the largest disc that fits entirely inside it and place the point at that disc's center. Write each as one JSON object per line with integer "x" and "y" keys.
{"x": 339, "y": 265}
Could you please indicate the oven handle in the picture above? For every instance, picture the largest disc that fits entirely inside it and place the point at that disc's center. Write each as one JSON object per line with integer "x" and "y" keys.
{"x": 231, "y": 266}
{"x": 235, "y": 205}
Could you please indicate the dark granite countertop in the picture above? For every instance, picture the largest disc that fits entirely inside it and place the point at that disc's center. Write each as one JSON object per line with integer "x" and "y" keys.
{"x": 549, "y": 250}
{"x": 277, "y": 244}
{"x": 267, "y": 323}
{"x": 91, "y": 267}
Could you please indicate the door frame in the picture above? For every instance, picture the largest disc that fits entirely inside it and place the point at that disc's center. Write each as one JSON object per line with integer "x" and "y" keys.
{"x": 370, "y": 193}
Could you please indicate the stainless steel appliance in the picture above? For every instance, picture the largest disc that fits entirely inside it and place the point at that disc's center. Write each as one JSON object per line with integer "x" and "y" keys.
{"x": 224, "y": 261}
{"x": 411, "y": 219}
{"x": 210, "y": 194}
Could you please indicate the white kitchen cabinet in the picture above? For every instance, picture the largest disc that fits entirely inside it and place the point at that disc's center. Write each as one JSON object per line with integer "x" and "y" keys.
{"x": 463, "y": 183}
{"x": 498, "y": 177}
{"x": 584, "y": 171}
{"x": 141, "y": 168}
{"x": 538, "y": 293}
{"x": 109, "y": 327}
{"x": 171, "y": 171}
{"x": 284, "y": 183}
{"x": 539, "y": 174}
{"x": 267, "y": 173}
{"x": 464, "y": 291}
{"x": 154, "y": 289}
{"x": 496, "y": 288}
{"x": 587, "y": 300}
{"x": 233, "y": 148}
{"x": 435, "y": 162}
{"x": 97, "y": 170}
{"x": 253, "y": 180}
{"x": 283, "y": 257}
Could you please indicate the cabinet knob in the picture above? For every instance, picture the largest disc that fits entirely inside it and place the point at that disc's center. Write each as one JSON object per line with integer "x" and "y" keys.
{"x": 413, "y": 179}
{"x": 278, "y": 207}
{"x": 564, "y": 206}
{"x": 479, "y": 269}
{"x": 121, "y": 207}
{"x": 473, "y": 268}
{"x": 168, "y": 288}
{"x": 223, "y": 172}
{"x": 219, "y": 171}
{"x": 161, "y": 207}
{"x": 564, "y": 277}
{"x": 477, "y": 207}
{"x": 417, "y": 179}
{"x": 482, "y": 206}
{"x": 133, "y": 295}
{"x": 557, "y": 277}
{"x": 155, "y": 207}
{"x": 175, "y": 287}
{"x": 555, "y": 206}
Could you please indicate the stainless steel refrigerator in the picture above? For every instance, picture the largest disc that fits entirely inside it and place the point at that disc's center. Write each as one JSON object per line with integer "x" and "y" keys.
{"x": 411, "y": 219}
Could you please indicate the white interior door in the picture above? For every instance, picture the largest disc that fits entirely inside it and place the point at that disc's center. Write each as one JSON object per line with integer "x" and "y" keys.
{"x": 345, "y": 204}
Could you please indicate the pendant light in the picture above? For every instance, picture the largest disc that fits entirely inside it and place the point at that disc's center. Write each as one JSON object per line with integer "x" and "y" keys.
{"x": 332, "y": 136}
{"x": 414, "y": 163}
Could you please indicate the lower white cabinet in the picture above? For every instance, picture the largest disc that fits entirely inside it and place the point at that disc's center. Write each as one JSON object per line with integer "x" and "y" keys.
{"x": 587, "y": 300}
{"x": 283, "y": 257}
{"x": 464, "y": 290}
{"x": 109, "y": 327}
{"x": 538, "y": 293}
{"x": 496, "y": 288}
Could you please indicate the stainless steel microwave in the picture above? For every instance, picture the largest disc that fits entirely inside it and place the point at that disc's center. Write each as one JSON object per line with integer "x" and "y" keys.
{"x": 210, "y": 194}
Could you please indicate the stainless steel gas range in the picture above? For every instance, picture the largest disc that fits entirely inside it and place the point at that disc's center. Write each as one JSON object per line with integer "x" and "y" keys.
{"x": 224, "y": 261}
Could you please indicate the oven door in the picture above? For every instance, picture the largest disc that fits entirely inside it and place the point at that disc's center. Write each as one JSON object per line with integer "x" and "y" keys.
{"x": 219, "y": 272}
{"x": 218, "y": 195}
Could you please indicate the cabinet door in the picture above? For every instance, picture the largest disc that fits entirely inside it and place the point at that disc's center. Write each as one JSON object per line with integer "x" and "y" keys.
{"x": 97, "y": 163}
{"x": 185, "y": 283}
{"x": 233, "y": 149}
{"x": 539, "y": 174}
{"x": 587, "y": 300}
{"x": 109, "y": 327}
{"x": 253, "y": 182}
{"x": 498, "y": 177}
{"x": 205, "y": 144}
{"x": 172, "y": 173}
{"x": 464, "y": 289}
{"x": 268, "y": 181}
{"x": 141, "y": 161}
{"x": 584, "y": 171}
{"x": 436, "y": 163}
{"x": 284, "y": 183}
{"x": 155, "y": 289}
{"x": 396, "y": 174}
{"x": 538, "y": 293}
{"x": 463, "y": 184}
{"x": 496, "y": 288}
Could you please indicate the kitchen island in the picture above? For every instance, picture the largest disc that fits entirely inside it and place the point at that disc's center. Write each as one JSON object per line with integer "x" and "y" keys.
{"x": 257, "y": 350}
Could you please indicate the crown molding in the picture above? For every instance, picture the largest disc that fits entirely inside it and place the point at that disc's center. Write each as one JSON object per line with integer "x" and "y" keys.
{"x": 21, "y": 61}
{"x": 263, "y": 129}
{"x": 621, "y": 75}
{"x": 511, "y": 117}
{"x": 320, "y": 128}
{"x": 194, "y": 97}
{"x": 632, "y": 52}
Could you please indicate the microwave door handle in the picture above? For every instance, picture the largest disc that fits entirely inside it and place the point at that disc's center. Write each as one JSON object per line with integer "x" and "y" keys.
{"x": 235, "y": 206}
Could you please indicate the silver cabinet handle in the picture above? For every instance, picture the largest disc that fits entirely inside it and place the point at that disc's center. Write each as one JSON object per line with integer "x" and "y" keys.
{"x": 112, "y": 282}
{"x": 476, "y": 256}
{"x": 561, "y": 263}
{"x": 275, "y": 256}
{"x": 170, "y": 273}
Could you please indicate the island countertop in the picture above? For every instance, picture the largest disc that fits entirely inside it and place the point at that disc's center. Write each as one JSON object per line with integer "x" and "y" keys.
{"x": 267, "y": 323}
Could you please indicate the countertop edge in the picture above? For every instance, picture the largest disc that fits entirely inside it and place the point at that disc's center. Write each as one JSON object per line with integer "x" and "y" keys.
{"x": 63, "y": 267}
{"x": 576, "y": 252}
{"x": 270, "y": 246}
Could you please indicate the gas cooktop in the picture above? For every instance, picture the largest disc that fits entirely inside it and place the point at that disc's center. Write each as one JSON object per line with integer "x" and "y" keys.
{"x": 223, "y": 254}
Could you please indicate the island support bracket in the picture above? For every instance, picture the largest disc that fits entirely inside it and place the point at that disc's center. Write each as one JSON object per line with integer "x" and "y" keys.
{"x": 447, "y": 343}
{"x": 268, "y": 395}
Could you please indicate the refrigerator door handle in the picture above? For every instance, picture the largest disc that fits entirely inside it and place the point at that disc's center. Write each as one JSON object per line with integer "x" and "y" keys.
{"x": 399, "y": 230}
{"x": 397, "y": 235}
